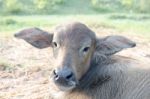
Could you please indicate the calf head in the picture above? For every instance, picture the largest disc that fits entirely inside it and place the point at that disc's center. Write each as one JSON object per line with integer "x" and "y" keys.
{"x": 74, "y": 45}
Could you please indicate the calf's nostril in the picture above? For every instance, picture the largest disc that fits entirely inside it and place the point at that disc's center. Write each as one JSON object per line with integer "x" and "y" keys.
{"x": 69, "y": 76}
{"x": 55, "y": 74}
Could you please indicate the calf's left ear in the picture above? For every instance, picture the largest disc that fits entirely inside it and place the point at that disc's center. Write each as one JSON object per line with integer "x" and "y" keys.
{"x": 36, "y": 37}
{"x": 113, "y": 44}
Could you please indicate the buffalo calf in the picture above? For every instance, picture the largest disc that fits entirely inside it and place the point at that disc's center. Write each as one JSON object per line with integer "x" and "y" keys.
{"x": 85, "y": 66}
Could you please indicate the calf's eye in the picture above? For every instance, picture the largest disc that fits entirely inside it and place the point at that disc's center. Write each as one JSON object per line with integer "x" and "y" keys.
{"x": 55, "y": 44}
{"x": 86, "y": 49}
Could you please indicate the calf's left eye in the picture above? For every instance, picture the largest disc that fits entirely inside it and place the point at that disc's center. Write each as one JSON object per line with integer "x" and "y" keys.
{"x": 86, "y": 49}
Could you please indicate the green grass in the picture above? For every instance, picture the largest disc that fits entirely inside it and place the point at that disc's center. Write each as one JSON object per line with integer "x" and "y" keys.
{"x": 137, "y": 23}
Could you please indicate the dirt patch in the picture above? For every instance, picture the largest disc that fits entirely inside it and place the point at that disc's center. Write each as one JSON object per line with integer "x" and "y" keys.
{"x": 25, "y": 70}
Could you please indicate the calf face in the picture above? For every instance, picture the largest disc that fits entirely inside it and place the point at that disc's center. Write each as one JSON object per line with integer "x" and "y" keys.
{"x": 74, "y": 45}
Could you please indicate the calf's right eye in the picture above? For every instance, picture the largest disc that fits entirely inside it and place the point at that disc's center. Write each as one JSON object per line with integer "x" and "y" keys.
{"x": 54, "y": 44}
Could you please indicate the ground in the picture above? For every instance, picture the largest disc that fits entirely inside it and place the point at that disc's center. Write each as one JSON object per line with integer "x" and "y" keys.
{"x": 25, "y": 70}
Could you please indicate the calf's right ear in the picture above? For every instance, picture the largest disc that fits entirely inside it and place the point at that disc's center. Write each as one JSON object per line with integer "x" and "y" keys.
{"x": 36, "y": 37}
{"x": 113, "y": 44}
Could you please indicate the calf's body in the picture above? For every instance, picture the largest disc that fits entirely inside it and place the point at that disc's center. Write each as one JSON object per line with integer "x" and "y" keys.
{"x": 85, "y": 66}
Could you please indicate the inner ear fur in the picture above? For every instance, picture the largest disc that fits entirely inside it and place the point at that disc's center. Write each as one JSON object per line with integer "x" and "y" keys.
{"x": 112, "y": 44}
{"x": 36, "y": 37}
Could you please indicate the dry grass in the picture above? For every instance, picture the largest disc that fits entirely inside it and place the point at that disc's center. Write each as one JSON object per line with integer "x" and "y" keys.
{"x": 25, "y": 71}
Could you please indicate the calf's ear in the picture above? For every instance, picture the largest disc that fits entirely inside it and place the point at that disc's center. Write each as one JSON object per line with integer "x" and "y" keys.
{"x": 113, "y": 44}
{"x": 36, "y": 37}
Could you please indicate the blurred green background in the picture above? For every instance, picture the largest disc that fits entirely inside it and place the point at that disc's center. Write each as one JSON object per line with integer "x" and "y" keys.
{"x": 124, "y": 15}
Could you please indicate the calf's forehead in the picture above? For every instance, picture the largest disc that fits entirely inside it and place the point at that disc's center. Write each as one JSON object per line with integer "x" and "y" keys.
{"x": 75, "y": 33}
